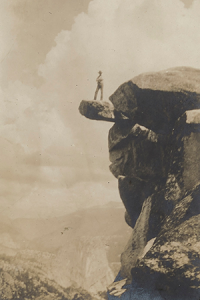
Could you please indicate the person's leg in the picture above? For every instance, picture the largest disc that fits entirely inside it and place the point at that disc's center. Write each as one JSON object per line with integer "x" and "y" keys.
{"x": 102, "y": 92}
{"x": 96, "y": 92}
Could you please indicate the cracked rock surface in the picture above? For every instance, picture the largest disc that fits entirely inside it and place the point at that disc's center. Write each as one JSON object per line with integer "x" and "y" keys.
{"x": 154, "y": 148}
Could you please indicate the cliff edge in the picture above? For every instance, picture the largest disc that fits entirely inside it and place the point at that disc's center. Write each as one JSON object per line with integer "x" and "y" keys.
{"x": 154, "y": 148}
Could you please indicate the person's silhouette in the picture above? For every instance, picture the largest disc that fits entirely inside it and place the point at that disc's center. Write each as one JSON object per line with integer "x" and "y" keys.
{"x": 99, "y": 86}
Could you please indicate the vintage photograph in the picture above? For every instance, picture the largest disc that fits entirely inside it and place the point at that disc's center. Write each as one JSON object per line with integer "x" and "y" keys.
{"x": 100, "y": 150}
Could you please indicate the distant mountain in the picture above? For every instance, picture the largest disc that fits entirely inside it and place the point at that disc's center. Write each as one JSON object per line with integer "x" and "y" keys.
{"x": 85, "y": 262}
{"x": 82, "y": 248}
{"x": 50, "y": 235}
{"x": 109, "y": 217}
{"x": 19, "y": 280}
{"x": 105, "y": 221}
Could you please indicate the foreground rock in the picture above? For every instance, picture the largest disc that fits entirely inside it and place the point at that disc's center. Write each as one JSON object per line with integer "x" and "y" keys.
{"x": 172, "y": 265}
{"x": 155, "y": 155}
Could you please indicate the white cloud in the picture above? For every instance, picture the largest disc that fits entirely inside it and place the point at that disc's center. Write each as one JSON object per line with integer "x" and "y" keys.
{"x": 64, "y": 155}
{"x": 6, "y": 23}
{"x": 123, "y": 38}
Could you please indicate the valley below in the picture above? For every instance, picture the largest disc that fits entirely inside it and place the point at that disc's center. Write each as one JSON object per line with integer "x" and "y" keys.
{"x": 70, "y": 257}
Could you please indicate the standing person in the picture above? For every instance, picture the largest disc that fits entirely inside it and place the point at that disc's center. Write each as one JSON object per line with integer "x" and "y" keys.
{"x": 99, "y": 86}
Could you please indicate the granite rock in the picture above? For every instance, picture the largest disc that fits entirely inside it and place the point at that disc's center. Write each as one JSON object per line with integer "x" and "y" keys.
{"x": 154, "y": 149}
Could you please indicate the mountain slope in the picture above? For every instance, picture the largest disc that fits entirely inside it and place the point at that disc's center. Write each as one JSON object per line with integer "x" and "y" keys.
{"x": 25, "y": 280}
{"x": 82, "y": 248}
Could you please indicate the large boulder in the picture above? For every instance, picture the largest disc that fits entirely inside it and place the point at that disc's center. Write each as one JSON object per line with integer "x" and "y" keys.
{"x": 100, "y": 110}
{"x": 154, "y": 149}
{"x": 97, "y": 110}
{"x": 157, "y": 100}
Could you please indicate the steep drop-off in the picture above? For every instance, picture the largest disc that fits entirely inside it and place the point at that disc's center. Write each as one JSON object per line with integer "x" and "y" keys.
{"x": 154, "y": 148}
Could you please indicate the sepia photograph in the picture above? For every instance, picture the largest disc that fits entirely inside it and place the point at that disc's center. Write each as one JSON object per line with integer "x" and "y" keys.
{"x": 100, "y": 150}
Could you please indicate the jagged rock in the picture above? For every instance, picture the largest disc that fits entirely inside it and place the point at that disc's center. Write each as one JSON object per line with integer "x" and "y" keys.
{"x": 183, "y": 163}
{"x": 148, "y": 223}
{"x": 157, "y": 100}
{"x": 173, "y": 263}
{"x": 120, "y": 133}
{"x": 100, "y": 110}
{"x": 97, "y": 110}
{"x": 135, "y": 247}
{"x": 137, "y": 152}
{"x": 155, "y": 155}
{"x": 133, "y": 192}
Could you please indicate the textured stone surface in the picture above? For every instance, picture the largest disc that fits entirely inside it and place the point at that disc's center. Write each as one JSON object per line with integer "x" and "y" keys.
{"x": 165, "y": 192}
{"x": 137, "y": 152}
{"x": 133, "y": 192}
{"x": 156, "y": 100}
{"x": 97, "y": 110}
{"x": 100, "y": 110}
{"x": 179, "y": 79}
{"x": 154, "y": 149}
{"x": 173, "y": 263}
{"x": 120, "y": 133}
{"x": 185, "y": 145}
{"x": 149, "y": 220}
{"x": 138, "y": 240}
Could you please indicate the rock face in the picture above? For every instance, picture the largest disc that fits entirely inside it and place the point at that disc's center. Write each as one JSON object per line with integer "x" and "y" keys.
{"x": 154, "y": 151}
{"x": 172, "y": 265}
{"x": 156, "y": 100}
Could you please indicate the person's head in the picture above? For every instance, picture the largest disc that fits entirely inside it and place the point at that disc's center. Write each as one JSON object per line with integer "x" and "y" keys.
{"x": 100, "y": 72}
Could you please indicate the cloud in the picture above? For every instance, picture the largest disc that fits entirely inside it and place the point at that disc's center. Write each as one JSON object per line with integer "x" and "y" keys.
{"x": 6, "y": 22}
{"x": 40, "y": 163}
{"x": 56, "y": 160}
{"x": 32, "y": 27}
{"x": 123, "y": 38}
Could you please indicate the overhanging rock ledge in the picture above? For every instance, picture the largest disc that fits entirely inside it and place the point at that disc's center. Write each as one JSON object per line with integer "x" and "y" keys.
{"x": 154, "y": 148}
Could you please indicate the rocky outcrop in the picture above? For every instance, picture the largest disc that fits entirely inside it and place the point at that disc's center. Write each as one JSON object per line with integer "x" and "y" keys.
{"x": 140, "y": 152}
{"x": 172, "y": 265}
{"x": 100, "y": 110}
{"x": 154, "y": 154}
{"x": 157, "y": 100}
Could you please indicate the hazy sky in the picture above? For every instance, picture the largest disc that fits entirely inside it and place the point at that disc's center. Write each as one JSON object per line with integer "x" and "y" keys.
{"x": 53, "y": 160}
